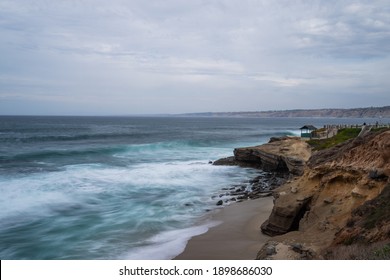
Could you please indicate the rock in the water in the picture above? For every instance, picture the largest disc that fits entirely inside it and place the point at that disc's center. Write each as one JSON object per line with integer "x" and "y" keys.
{"x": 219, "y": 203}
{"x": 229, "y": 161}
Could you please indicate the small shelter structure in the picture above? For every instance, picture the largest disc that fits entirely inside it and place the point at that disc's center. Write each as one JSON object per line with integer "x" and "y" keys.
{"x": 307, "y": 131}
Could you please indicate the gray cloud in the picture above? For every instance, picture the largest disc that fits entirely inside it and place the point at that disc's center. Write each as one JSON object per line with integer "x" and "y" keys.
{"x": 123, "y": 57}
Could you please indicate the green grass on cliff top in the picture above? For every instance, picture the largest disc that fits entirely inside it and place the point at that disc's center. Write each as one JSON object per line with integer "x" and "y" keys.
{"x": 342, "y": 136}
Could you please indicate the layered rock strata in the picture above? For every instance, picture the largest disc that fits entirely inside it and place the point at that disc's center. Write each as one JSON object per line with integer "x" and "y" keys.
{"x": 315, "y": 208}
{"x": 311, "y": 210}
{"x": 282, "y": 155}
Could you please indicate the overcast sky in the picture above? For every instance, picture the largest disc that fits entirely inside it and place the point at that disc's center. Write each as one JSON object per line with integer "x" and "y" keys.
{"x": 140, "y": 57}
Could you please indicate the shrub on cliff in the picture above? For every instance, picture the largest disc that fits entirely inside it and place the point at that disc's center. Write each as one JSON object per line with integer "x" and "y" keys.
{"x": 342, "y": 136}
{"x": 373, "y": 251}
{"x": 367, "y": 232}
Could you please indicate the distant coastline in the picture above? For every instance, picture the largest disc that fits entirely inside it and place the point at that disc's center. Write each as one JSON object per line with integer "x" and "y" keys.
{"x": 368, "y": 112}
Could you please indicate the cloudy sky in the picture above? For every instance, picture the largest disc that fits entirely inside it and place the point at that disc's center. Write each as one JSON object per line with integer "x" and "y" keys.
{"x": 89, "y": 57}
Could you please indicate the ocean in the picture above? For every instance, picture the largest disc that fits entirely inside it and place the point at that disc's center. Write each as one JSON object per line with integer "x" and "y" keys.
{"x": 119, "y": 187}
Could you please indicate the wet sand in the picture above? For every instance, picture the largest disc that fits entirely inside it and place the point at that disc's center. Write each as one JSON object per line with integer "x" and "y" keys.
{"x": 238, "y": 237}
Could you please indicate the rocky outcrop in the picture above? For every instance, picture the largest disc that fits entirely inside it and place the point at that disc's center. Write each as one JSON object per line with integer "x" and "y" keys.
{"x": 283, "y": 250}
{"x": 286, "y": 215}
{"x": 369, "y": 222}
{"x": 282, "y": 155}
{"x": 313, "y": 208}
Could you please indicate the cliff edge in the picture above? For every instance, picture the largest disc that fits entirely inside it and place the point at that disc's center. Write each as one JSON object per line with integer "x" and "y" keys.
{"x": 328, "y": 204}
{"x": 281, "y": 155}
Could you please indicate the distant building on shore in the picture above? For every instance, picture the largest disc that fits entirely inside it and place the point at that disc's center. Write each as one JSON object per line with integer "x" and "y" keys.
{"x": 307, "y": 131}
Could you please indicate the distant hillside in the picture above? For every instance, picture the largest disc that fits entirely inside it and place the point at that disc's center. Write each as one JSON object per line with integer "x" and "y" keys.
{"x": 370, "y": 112}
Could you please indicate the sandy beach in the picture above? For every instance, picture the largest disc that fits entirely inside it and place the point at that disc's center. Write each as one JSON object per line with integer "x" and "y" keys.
{"x": 237, "y": 237}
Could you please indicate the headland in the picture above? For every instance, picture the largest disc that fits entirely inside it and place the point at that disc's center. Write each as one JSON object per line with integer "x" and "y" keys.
{"x": 334, "y": 203}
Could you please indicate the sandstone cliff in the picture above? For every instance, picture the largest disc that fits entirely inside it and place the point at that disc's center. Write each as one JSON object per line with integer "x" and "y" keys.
{"x": 282, "y": 155}
{"x": 311, "y": 212}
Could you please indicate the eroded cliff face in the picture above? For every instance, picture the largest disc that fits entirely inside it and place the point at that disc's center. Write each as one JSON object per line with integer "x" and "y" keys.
{"x": 282, "y": 155}
{"x": 309, "y": 210}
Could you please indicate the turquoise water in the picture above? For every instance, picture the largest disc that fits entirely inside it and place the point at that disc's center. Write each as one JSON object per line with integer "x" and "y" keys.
{"x": 118, "y": 187}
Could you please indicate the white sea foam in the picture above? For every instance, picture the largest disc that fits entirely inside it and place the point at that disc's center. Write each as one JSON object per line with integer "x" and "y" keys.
{"x": 77, "y": 181}
{"x": 295, "y": 132}
{"x": 128, "y": 203}
{"x": 167, "y": 245}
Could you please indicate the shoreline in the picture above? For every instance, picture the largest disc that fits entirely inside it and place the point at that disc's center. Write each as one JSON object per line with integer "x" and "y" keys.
{"x": 237, "y": 237}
